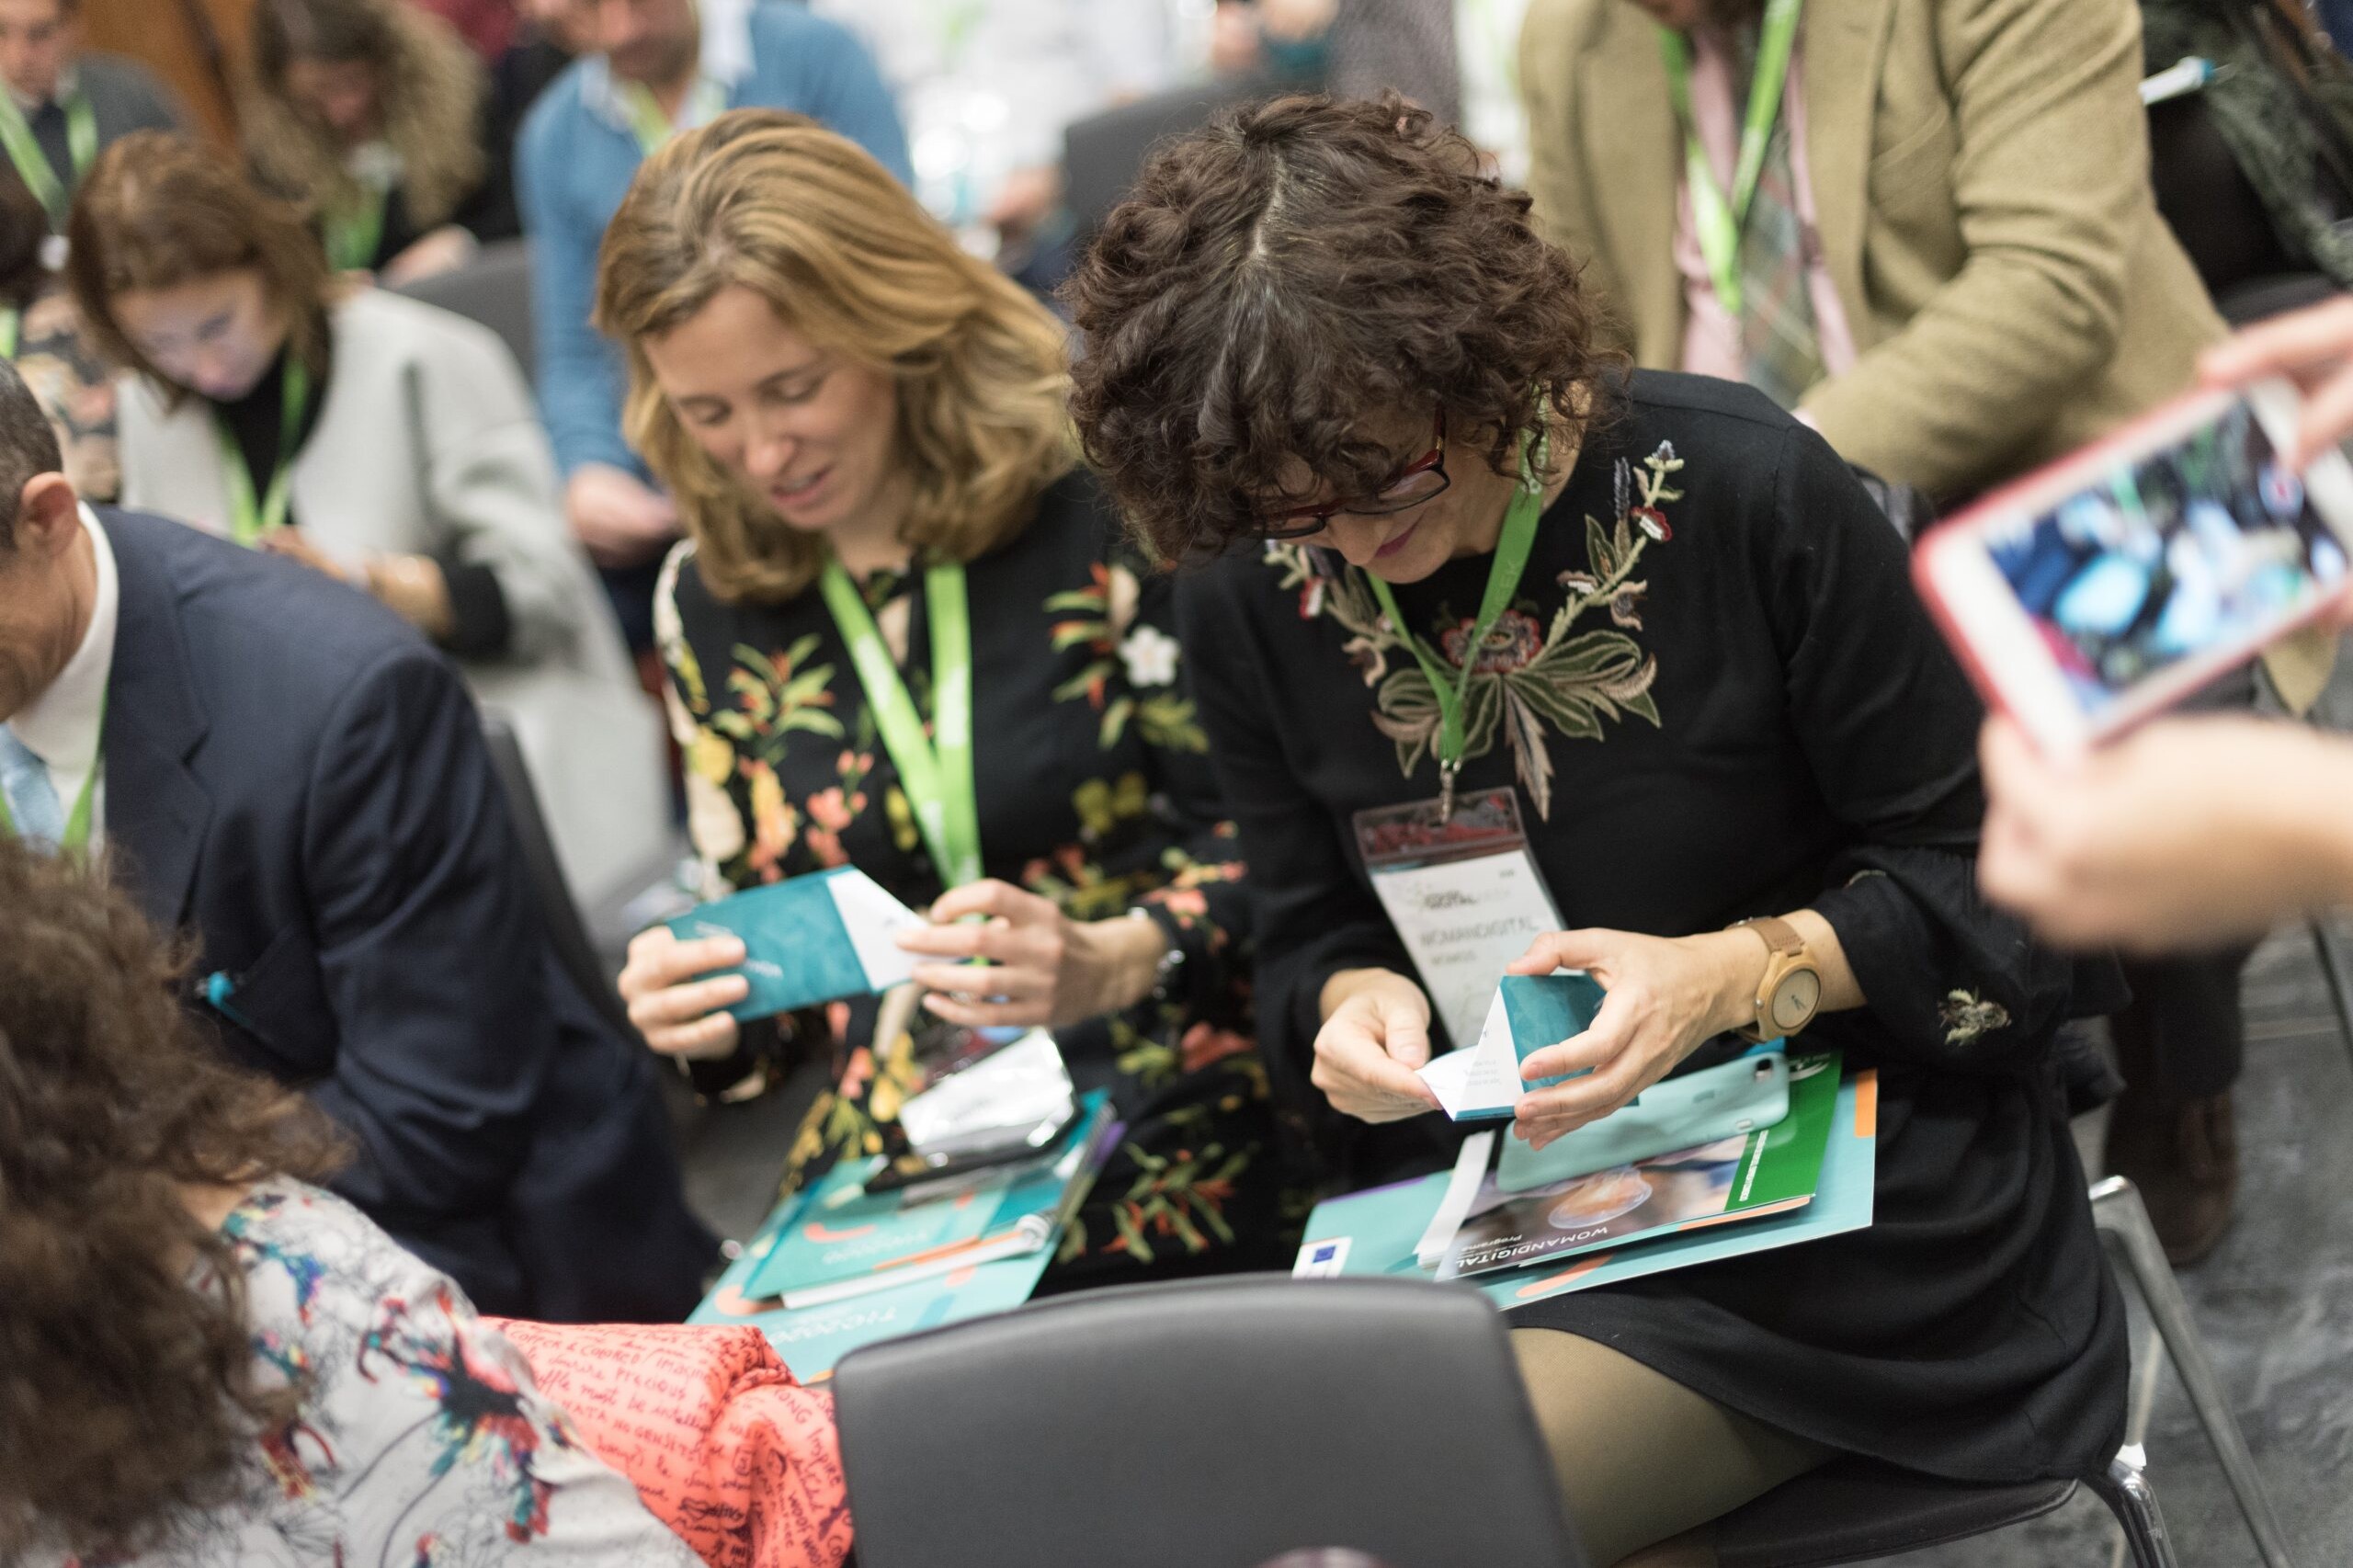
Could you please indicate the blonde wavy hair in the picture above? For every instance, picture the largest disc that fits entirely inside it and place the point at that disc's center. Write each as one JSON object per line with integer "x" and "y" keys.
{"x": 807, "y": 220}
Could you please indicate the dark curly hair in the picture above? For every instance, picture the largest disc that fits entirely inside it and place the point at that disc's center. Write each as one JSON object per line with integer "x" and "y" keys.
{"x": 126, "y": 1394}
{"x": 1281, "y": 279}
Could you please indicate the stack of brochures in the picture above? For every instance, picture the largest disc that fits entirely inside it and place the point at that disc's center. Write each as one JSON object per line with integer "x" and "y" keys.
{"x": 1522, "y": 1230}
{"x": 840, "y": 1265}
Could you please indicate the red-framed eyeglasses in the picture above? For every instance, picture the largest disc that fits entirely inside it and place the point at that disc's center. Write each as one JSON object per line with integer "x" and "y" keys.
{"x": 1416, "y": 482}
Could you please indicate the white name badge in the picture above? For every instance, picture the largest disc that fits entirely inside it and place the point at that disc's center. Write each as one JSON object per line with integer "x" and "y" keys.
{"x": 1463, "y": 892}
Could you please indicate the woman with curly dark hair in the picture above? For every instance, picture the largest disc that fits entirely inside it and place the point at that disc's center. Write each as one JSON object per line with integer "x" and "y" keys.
{"x": 203, "y": 1359}
{"x": 1469, "y": 576}
{"x": 368, "y": 114}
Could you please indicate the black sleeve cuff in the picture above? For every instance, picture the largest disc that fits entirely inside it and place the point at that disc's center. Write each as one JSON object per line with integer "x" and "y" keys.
{"x": 480, "y": 627}
{"x": 747, "y": 1075}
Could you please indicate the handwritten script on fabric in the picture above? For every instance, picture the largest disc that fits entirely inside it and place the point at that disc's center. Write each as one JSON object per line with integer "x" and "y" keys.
{"x": 725, "y": 1449}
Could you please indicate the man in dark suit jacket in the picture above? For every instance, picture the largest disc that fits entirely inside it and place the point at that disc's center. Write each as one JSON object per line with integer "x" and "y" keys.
{"x": 283, "y": 769}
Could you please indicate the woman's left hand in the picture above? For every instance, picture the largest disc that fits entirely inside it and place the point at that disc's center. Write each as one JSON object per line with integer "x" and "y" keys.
{"x": 1042, "y": 967}
{"x": 1664, "y": 997}
{"x": 446, "y": 249}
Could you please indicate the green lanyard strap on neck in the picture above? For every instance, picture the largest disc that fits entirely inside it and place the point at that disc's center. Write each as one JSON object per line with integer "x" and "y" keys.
{"x": 32, "y": 164}
{"x": 1452, "y": 687}
{"x": 1719, "y": 218}
{"x": 12, "y": 327}
{"x": 936, "y": 770}
{"x": 352, "y": 232}
{"x": 248, "y": 524}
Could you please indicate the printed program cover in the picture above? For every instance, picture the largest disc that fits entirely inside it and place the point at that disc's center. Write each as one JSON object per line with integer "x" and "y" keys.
{"x": 1743, "y": 1177}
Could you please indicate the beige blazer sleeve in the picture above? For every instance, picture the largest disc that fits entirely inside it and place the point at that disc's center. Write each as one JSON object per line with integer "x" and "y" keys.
{"x": 1552, "y": 40}
{"x": 2049, "y": 180}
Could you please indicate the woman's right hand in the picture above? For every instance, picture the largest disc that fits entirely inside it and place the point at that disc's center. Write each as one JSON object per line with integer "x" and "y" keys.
{"x": 621, "y": 521}
{"x": 1376, "y": 1032}
{"x": 678, "y": 1013}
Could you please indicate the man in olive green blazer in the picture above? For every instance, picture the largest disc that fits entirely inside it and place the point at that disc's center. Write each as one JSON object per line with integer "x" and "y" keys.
{"x": 1980, "y": 179}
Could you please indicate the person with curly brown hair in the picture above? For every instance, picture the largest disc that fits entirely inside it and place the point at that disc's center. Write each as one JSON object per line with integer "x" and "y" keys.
{"x": 370, "y": 115}
{"x": 1459, "y": 560}
{"x": 204, "y": 1358}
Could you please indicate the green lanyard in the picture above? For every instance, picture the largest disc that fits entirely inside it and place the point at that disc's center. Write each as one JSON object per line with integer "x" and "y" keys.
{"x": 936, "y": 770}
{"x": 1720, "y": 220}
{"x": 705, "y": 100}
{"x": 353, "y": 233}
{"x": 248, "y": 523}
{"x": 32, "y": 164}
{"x": 12, "y": 326}
{"x": 77, "y": 822}
{"x": 1510, "y": 561}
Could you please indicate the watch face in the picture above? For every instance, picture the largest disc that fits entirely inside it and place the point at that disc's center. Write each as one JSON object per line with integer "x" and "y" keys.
{"x": 1795, "y": 999}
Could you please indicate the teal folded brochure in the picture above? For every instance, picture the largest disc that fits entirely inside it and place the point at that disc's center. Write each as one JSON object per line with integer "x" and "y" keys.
{"x": 1380, "y": 1231}
{"x": 845, "y": 1241}
{"x": 811, "y": 1340}
{"x": 1530, "y": 1013}
{"x": 812, "y": 939}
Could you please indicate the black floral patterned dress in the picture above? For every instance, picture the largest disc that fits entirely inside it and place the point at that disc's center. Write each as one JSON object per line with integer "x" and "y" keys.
{"x": 1094, "y": 790}
{"x": 1717, "y": 696}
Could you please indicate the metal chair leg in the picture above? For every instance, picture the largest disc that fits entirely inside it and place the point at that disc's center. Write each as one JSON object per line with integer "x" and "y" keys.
{"x": 2126, "y": 1491}
{"x": 2116, "y": 1207}
{"x": 2339, "y": 974}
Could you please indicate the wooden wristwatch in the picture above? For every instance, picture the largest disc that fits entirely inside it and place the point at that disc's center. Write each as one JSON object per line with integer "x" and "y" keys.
{"x": 1790, "y": 993}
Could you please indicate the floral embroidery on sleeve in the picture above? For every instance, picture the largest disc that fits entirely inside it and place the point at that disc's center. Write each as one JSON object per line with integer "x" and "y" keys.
{"x": 1527, "y": 676}
{"x": 1968, "y": 1018}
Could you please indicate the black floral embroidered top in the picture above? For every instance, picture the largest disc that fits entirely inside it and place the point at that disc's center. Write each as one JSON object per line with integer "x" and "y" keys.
{"x": 1717, "y": 696}
{"x": 1090, "y": 769}
{"x": 1094, "y": 790}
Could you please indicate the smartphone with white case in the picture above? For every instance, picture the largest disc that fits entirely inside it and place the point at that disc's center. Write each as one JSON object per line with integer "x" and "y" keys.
{"x": 2100, "y": 591}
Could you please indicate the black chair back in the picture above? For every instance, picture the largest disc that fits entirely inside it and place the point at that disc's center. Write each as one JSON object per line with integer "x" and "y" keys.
{"x": 1207, "y": 1423}
{"x": 1103, "y": 153}
{"x": 493, "y": 289}
{"x": 558, "y": 913}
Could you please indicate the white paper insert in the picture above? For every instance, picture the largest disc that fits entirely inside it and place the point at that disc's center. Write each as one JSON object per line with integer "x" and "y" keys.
{"x": 1482, "y": 1079}
{"x": 872, "y": 917}
{"x": 1461, "y": 1189}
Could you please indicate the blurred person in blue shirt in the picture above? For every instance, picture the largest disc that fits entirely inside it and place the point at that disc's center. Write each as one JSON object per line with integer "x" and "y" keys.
{"x": 656, "y": 67}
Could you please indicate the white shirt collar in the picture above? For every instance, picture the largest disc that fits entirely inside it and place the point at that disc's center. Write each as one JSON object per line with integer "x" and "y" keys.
{"x": 64, "y": 725}
{"x": 69, "y": 82}
{"x": 726, "y": 60}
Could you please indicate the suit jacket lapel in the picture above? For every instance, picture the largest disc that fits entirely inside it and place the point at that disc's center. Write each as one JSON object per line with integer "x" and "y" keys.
{"x": 1637, "y": 169}
{"x": 1845, "y": 46}
{"x": 157, "y": 811}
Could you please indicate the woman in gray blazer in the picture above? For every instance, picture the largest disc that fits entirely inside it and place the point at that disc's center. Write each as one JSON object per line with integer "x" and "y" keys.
{"x": 379, "y": 440}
